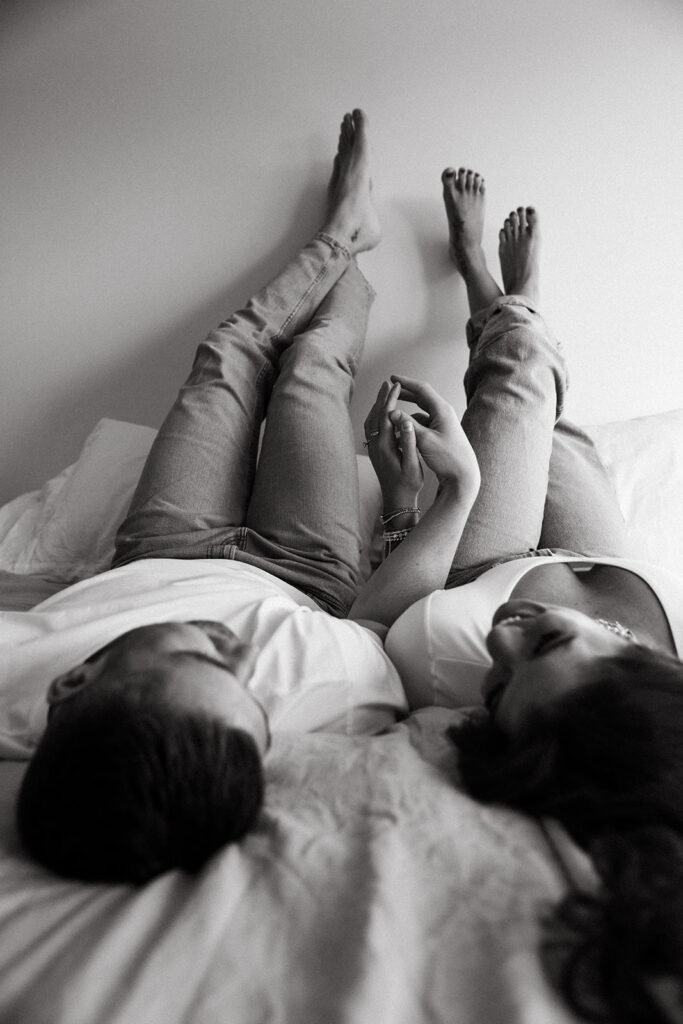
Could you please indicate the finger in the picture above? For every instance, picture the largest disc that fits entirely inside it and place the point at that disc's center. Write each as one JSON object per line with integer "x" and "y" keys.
{"x": 392, "y": 397}
{"x": 372, "y": 420}
{"x": 410, "y": 460}
{"x": 418, "y": 391}
{"x": 422, "y": 418}
{"x": 384, "y": 423}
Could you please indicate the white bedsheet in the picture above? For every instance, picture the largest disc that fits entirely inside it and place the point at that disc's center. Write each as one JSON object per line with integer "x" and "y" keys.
{"x": 372, "y": 892}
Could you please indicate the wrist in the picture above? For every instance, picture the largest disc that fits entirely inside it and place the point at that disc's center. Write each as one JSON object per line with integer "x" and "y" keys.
{"x": 402, "y": 521}
{"x": 400, "y": 511}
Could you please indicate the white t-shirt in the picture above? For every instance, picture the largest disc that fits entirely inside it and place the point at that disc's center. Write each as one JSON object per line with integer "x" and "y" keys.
{"x": 314, "y": 672}
{"x": 438, "y": 644}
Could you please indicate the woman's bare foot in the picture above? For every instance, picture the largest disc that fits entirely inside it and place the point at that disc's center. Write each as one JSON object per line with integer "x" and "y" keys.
{"x": 519, "y": 251}
{"x": 463, "y": 194}
{"x": 351, "y": 215}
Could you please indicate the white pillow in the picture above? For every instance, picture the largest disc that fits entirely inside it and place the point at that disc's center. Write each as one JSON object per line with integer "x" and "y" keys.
{"x": 644, "y": 457}
{"x": 66, "y": 530}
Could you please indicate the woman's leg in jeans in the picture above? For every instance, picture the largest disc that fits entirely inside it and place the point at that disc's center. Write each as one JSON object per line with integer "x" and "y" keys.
{"x": 198, "y": 478}
{"x": 515, "y": 388}
{"x": 305, "y": 496}
{"x": 531, "y": 461}
{"x": 581, "y": 509}
{"x": 514, "y": 383}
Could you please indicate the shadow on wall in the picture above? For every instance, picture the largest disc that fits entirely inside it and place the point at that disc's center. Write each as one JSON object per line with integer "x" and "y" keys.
{"x": 427, "y": 295}
{"x": 421, "y": 289}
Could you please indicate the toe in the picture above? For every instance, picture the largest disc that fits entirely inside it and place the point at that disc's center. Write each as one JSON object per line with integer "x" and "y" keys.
{"x": 360, "y": 121}
{"x": 531, "y": 218}
{"x": 447, "y": 175}
{"x": 521, "y": 214}
{"x": 469, "y": 179}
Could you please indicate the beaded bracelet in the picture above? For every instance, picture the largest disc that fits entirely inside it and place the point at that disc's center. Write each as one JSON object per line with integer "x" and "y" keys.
{"x": 397, "y": 512}
{"x": 391, "y": 537}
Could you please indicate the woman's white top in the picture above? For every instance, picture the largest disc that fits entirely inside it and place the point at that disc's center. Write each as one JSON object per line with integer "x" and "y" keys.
{"x": 438, "y": 644}
{"x": 314, "y": 672}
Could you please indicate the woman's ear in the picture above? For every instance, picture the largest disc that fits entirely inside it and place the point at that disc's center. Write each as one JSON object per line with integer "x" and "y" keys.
{"x": 69, "y": 683}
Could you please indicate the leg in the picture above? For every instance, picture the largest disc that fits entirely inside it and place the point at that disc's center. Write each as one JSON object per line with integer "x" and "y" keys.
{"x": 514, "y": 384}
{"x": 199, "y": 473}
{"x": 304, "y": 509}
{"x": 464, "y": 195}
{"x": 581, "y": 509}
{"x": 515, "y": 387}
{"x": 194, "y": 491}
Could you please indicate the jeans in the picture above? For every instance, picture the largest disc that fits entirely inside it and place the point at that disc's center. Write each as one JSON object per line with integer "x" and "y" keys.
{"x": 292, "y": 353}
{"x": 543, "y": 486}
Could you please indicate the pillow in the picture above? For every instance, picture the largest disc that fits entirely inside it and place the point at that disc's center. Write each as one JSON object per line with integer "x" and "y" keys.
{"x": 66, "y": 530}
{"x": 644, "y": 457}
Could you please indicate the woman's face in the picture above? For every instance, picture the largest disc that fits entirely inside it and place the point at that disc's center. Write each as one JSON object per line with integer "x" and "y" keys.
{"x": 540, "y": 652}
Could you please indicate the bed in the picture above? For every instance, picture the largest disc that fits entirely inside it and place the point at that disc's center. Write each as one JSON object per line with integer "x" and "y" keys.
{"x": 373, "y": 890}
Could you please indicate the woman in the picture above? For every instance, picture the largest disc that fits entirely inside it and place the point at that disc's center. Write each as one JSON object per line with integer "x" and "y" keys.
{"x": 572, "y": 644}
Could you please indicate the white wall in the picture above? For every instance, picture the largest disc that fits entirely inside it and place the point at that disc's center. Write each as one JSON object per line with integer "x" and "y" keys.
{"x": 160, "y": 158}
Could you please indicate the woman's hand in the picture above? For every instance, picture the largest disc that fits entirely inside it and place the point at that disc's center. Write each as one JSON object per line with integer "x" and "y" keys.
{"x": 390, "y": 434}
{"x": 439, "y": 437}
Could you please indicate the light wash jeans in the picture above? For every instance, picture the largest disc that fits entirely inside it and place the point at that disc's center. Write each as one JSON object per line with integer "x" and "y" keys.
{"x": 291, "y": 353}
{"x": 543, "y": 485}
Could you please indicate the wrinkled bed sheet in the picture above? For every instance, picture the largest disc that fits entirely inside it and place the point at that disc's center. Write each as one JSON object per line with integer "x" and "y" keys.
{"x": 372, "y": 892}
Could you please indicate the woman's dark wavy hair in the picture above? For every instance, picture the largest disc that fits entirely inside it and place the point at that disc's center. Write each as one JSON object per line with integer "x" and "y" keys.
{"x": 607, "y": 761}
{"x": 128, "y": 786}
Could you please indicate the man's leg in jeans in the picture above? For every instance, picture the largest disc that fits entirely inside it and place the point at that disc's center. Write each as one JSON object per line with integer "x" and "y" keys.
{"x": 305, "y": 497}
{"x": 197, "y": 482}
{"x": 198, "y": 477}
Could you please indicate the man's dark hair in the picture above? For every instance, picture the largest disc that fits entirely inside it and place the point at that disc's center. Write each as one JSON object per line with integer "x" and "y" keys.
{"x": 607, "y": 761}
{"x": 127, "y": 785}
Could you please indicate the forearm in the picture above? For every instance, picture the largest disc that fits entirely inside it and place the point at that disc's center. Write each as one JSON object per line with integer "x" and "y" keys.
{"x": 420, "y": 564}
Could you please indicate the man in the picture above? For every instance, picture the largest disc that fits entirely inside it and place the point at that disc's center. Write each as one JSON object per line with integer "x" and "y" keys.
{"x": 224, "y": 615}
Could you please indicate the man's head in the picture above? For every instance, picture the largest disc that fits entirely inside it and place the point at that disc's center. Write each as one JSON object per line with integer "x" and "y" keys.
{"x": 151, "y": 758}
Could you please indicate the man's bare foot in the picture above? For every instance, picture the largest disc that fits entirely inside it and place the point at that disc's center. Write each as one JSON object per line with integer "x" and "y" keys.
{"x": 464, "y": 198}
{"x": 351, "y": 215}
{"x": 519, "y": 251}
